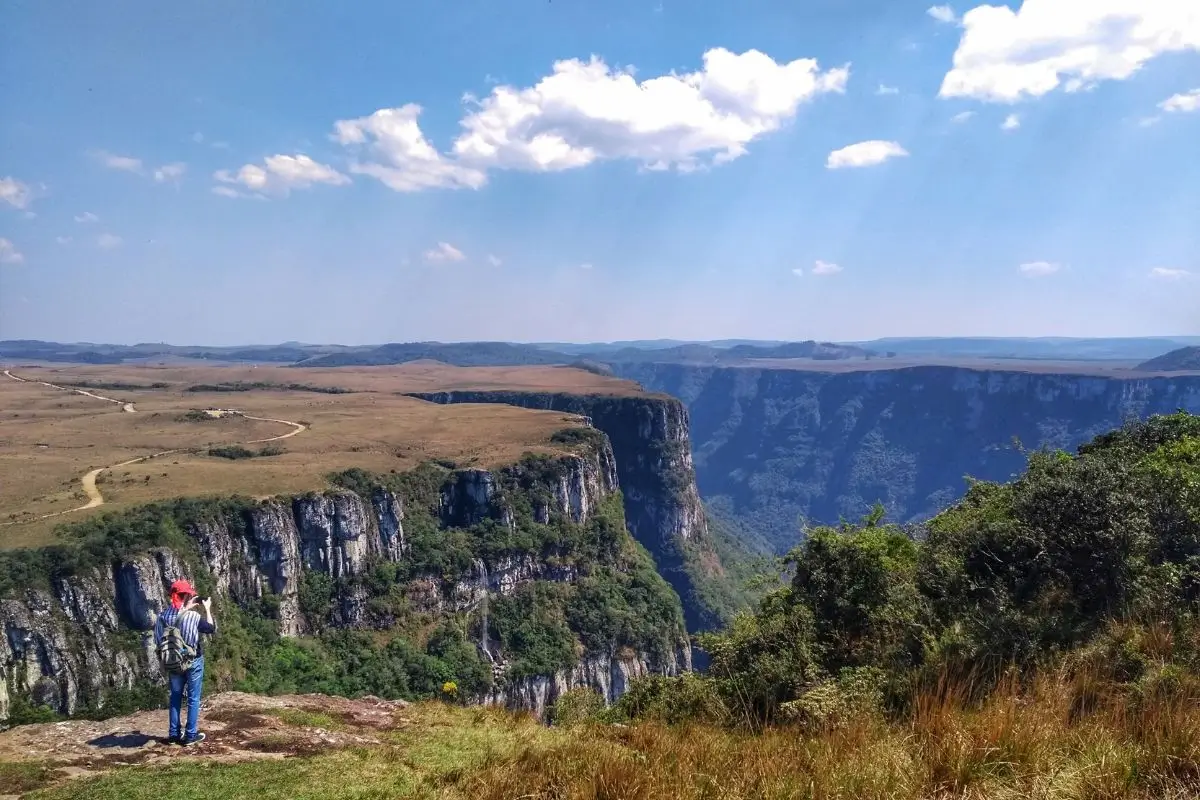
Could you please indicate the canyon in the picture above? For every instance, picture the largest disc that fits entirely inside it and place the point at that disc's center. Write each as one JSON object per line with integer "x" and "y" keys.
{"x": 531, "y": 544}
{"x": 778, "y": 449}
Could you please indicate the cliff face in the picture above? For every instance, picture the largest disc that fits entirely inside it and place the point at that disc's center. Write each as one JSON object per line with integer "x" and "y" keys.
{"x": 652, "y": 448}
{"x": 73, "y": 639}
{"x": 776, "y": 446}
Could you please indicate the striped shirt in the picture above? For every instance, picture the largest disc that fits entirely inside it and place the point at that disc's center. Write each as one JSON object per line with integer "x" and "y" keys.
{"x": 190, "y": 625}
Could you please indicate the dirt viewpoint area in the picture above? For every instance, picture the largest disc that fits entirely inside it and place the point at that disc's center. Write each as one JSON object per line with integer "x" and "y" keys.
{"x": 240, "y": 727}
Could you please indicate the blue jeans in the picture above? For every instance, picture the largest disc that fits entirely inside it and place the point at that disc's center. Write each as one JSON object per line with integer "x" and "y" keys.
{"x": 192, "y": 681}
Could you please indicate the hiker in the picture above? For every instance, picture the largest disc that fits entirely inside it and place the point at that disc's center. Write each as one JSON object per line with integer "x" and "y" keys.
{"x": 181, "y": 653}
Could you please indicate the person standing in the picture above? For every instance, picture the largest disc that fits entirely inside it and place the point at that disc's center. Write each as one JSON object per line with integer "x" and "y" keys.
{"x": 177, "y": 639}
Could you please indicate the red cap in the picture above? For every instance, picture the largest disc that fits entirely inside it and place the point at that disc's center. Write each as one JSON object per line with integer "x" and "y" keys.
{"x": 182, "y": 587}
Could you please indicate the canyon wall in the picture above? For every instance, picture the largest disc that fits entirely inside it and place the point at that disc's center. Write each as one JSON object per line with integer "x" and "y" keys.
{"x": 75, "y": 626}
{"x": 776, "y": 449}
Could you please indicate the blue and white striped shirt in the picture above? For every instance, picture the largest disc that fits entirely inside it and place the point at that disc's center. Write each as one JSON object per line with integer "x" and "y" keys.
{"x": 190, "y": 625}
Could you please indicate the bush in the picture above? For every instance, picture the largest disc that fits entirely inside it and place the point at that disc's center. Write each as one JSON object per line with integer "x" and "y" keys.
{"x": 577, "y": 706}
{"x": 855, "y": 696}
{"x": 232, "y": 452}
{"x": 673, "y": 700}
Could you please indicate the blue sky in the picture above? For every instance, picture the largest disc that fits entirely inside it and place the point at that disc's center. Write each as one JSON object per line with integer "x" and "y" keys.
{"x": 228, "y": 172}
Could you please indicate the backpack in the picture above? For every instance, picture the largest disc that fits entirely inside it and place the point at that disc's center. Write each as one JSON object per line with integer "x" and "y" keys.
{"x": 175, "y": 655}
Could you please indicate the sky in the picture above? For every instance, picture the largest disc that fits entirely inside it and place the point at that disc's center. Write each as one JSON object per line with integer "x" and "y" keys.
{"x": 568, "y": 170}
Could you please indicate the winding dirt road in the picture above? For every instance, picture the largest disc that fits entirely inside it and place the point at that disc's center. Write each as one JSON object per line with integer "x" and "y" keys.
{"x": 95, "y": 498}
{"x": 125, "y": 406}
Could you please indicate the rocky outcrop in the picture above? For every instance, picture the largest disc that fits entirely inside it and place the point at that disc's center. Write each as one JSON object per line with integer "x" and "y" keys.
{"x": 72, "y": 643}
{"x": 775, "y": 446}
{"x": 653, "y": 464}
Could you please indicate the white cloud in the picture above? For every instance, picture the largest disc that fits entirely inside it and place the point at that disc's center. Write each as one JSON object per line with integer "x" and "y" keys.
{"x": 1037, "y": 269}
{"x": 1011, "y": 122}
{"x": 884, "y": 89}
{"x": 962, "y": 117}
{"x": 170, "y": 172}
{"x": 14, "y": 192}
{"x": 225, "y": 191}
{"x": 587, "y": 111}
{"x": 29, "y": 214}
{"x": 107, "y": 241}
{"x": 198, "y": 137}
{"x": 1168, "y": 273}
{"x": 63, "y": 239}
{"x": 396, "y": 152}
{"x": 86, "y": 216}
{"x": 585, "y": 266}
{"x": 444, "y": 252}
{"x": 495, "y": 261}
{"x": 825, "y": 268}
{"x": 1006, "y": 55}
{"x": 1185, "y": 102}
{"x": 280, "y": 174}
{"x": 9, "y": 253}
{"x": 798, "y": 272}
{"x": 113, "y": 161}
{"x": 864, "y": 154}
{"x": 943, "y": 14}
{"x": 1146, "y": 122}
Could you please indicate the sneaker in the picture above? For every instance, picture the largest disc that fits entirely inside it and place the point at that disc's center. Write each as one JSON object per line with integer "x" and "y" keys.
{"x": 173, "y": 740}
{"x": 191, "y": 740}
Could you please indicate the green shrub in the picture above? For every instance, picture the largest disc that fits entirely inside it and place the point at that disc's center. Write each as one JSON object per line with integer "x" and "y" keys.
{"x": 232, "y": 452}
{"x": 577, "y": 706}
{"x": 673, "y": 700}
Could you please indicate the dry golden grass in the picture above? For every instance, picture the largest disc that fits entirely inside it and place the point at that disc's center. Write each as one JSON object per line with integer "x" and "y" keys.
{"x": 1037, "y": 742}
{"x": 49, "y": 438}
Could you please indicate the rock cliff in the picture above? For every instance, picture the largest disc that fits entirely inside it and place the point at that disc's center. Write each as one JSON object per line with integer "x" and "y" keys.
{"x": 652, "y": 448}
{"x": 76, "y": 634}
{"x": 778, "y": 447}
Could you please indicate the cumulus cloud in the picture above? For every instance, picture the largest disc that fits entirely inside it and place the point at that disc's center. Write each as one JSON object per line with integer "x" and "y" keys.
{"x": 885, "y": 89}
{"x": 798, "y": 272}
{"x": 825, "y": 268}
{"x": 114, "y": 161}
{"x": 14, "y": 192}
{"x": 1006, "y": 55}
{"x": 279, "y": 174}
{"x": 1169, "y": 273}
{"x": 495, "y": 261}
{"x": 588, "y": 111}
{"x": 107, "y": 241}
{"x": 962, "y": 117}
{"x": 864, "y": 154}
{"x": 1011, "y": 122}
{"x": 395, "y": 151}
{"x": 444, "y": 252}
{"x": 9, "y": 253}
{"x": 86, "y": 216}
{"x": 943, "y": 14}
{"x": 1038, "y": 269}
{"x": 170, "y": 172}
{"x": 1183, "y": 102}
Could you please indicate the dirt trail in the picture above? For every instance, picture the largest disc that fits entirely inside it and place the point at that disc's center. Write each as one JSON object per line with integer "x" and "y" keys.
{"x": 297, "y": 428}
{"x": 125, "y": 406}
{"x": 95, "y": 498}
{"x": 240, "y": 727}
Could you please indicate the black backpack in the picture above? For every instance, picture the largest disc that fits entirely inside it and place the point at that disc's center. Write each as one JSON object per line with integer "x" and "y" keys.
{"x": 175, "y": 655}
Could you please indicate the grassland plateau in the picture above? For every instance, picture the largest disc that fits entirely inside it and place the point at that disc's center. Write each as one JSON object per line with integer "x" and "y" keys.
{"x": 144, "y": 433}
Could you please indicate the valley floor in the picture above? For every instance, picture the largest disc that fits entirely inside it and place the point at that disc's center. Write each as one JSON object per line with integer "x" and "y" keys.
{"x": 1034, "y": 744}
